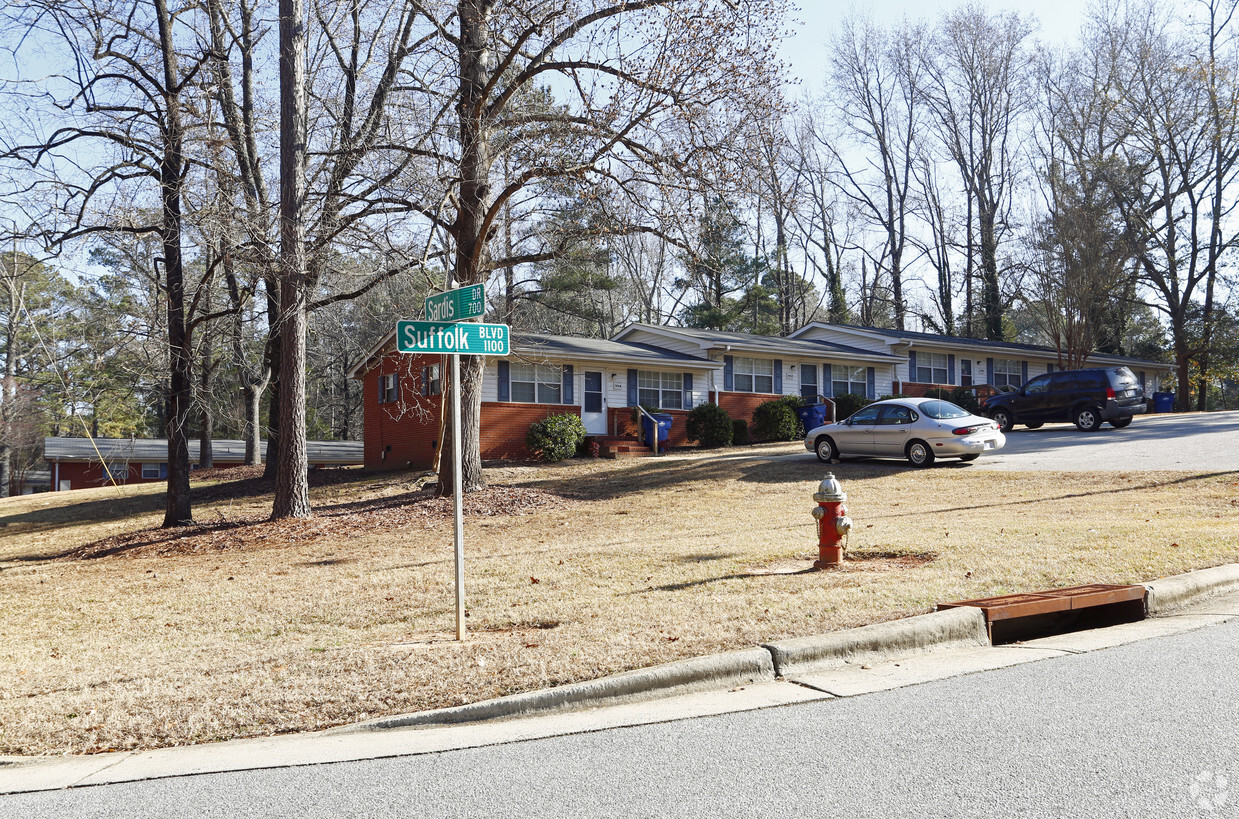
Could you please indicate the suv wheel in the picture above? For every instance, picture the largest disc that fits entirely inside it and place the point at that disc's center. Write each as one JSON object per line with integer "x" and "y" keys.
{"x": 1119, "y": 423}
{"x": 1004, "y": 419}
{"x": 1088, "y": 419}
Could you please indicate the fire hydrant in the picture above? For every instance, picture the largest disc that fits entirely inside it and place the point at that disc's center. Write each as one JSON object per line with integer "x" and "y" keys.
{"x": 833, "y": 522}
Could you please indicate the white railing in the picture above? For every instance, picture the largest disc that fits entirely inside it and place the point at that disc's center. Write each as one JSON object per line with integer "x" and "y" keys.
{"x": 654, "y": 422}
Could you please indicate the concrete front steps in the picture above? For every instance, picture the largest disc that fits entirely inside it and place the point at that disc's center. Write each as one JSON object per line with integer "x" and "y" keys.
{"x": 623, "y": 447}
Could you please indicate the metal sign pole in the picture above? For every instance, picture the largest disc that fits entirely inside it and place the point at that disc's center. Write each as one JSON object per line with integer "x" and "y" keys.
{"x": 458, "y": 501}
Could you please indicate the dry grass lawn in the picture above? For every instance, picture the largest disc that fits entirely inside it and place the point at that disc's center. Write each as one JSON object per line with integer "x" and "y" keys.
{"x": 114, "y": 634}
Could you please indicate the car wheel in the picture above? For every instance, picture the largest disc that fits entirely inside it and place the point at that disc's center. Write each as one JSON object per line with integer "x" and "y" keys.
{"x": 1088, "y": 419}
{"x": 1119, "y": 423}
{"x": 919, "y": 454}
{"x": 1004, "y": 419}
{"x": 1034, "y": 426}
{"x": 971, "y": 457}
{"x": 826, "y": 450}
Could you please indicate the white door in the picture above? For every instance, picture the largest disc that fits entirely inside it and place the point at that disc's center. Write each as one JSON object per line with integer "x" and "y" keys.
{"x": 593, "y": 404}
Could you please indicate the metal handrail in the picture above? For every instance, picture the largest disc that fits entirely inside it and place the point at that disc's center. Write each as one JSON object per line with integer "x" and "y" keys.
{"x": 824, "y": 400}
{"x": 654, "y": 422}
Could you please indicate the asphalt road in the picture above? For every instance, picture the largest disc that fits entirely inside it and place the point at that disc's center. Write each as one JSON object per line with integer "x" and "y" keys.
{"x": 1195, "y": 442}
{"x": 1145, "y": 729}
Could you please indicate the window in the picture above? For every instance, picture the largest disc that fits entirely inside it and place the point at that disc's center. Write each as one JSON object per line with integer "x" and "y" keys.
{"x": 389, "y": 389}
{"x": 865, "y": 415}
{"x": 1006, "y": 372}
{"x": 753, "y": 375}
{"x": 894, "y": 414}
{"x": 154, "y": 472}
{"x": 931, "y": 368}
{"x": 431, "y": 385}
{"x": 116, "y": 472}
{"x": 1038, "y": 385}
{"x": 662, "y": 390}
{"x": 535, "y": 383}
{"x": 844, "y": 380}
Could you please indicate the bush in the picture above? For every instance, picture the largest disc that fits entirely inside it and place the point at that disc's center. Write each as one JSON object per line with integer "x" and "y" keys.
{"x": 557, "y": 437}
{"x": 739, "y": 432}
{"x": 849, "y": 403}
{"x": 775, "y": 420}
{"x": 709, "y": 425}
{"x": 960, "y": 396}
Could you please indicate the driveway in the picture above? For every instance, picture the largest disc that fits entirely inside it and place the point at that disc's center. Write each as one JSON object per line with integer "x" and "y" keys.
{"x": 1191, "y": 442}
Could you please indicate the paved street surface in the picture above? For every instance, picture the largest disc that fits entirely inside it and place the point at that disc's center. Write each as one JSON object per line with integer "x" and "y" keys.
{"x": 1204, "y": 442}
{"x": 1142, "y": 729}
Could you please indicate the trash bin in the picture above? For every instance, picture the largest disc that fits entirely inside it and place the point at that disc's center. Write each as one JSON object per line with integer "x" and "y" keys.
{"x": 811, "y": 415}
{"x": 664, "y": 429}
{"x": 1163, "y": 402}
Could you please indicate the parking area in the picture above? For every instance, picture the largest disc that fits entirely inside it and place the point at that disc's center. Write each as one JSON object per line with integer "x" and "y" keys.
{"x": 1192, "y": 442}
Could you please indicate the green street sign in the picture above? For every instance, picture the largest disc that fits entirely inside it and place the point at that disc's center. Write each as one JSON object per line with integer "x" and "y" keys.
{"x": 457, "y": 305}
{"x": 466, "y": 338}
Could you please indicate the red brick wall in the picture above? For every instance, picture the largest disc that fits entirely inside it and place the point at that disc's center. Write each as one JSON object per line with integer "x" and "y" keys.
{"x": 740, "y": 405}
{"x": 504, "y": 426}
{"x": 403, "y": 433}
{"x": 619, "y": 422}
{"x": 86, "y": 475}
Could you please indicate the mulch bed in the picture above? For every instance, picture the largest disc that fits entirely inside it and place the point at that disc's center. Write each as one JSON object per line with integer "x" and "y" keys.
{"x": 418, "y": 508}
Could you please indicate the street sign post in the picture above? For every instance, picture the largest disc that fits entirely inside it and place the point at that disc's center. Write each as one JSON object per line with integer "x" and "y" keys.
{"x": 447, "y": 333}
{"x": 464, "y": 338}
{"x": 457, "y": 305}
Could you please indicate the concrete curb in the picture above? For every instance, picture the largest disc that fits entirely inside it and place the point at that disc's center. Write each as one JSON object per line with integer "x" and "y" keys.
{"x": 735, "y": 668}
{"x": 952, "y": 628}
{"x": 1177, "y": 591}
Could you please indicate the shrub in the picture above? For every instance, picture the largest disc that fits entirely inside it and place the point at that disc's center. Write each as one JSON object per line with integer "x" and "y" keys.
{"x": 849, "y": 403}
{"x": 739, "y": 432}
{"x": 557, "y": 437}
{"x": 710, "y": 425}
{"x": 775, "y": 420}
{"x": 960, "y": 396}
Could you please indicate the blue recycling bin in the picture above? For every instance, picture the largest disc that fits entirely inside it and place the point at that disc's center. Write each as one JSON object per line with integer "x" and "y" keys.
{"x": 1163, "y": 402}
{"x": 664, "y": 429}
{"x": 811, "y": 415}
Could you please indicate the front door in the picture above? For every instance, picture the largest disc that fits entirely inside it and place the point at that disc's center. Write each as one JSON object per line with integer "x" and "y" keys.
{"x": 593, "y": 404}
{"x": 855, "y": 435}
{"x": 808, "y": 382}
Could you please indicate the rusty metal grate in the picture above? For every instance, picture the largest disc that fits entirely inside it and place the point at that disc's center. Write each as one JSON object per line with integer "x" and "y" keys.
{"x": 1031, "y": 604}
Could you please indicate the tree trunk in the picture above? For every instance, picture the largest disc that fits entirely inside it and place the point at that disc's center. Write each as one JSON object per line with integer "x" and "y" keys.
{"x": 471, "y": 251}
{"x": 990, "y": 296}
{"x": 171, "y": 178}
{"x": 292, "y": 490}
{"x": 8, "y": 400}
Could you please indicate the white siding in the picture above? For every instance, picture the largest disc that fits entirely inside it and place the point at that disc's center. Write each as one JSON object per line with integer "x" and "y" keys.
{"x": 863, "y": 342}
{"x": 676, "y": 345}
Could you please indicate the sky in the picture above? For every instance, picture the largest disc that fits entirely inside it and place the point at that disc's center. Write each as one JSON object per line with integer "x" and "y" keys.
{"x": 1059, "y": 22}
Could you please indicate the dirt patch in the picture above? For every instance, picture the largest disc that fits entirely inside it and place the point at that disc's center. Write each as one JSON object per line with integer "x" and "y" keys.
{"x": 419, "y": 508}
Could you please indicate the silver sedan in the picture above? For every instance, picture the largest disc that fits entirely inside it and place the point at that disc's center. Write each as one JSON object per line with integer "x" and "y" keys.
{"x": 919, "y": 429}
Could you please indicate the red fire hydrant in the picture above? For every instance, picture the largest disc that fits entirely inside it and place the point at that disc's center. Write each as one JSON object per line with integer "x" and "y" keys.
{"x": 833, "y": 522}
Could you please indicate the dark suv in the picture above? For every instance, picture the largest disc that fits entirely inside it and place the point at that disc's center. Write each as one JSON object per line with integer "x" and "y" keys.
{"x": 1083, "y": 397}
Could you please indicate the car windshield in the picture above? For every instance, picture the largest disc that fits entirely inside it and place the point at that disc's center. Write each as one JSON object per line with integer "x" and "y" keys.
{"x": 942, "y": 409}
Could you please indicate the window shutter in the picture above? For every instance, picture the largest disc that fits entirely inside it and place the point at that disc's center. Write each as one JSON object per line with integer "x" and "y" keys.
{"x": 729, "y": 369}
{"x": 1023, "y": 371}
{"x": 778, "y": 376}
{"x": 1049, "y": 368}
{"x": 632, "y": 388}
{"x": 828, "y": 388}
{"x": 382, "y": 396}
{"x": 950, "y": 368}
{"x": 871, "y": 390}
{"x": 989, "y": 371}
{"x": 911, "y": 365}
{"x": 425, "y": 382}
{"x": 566, "y": 396}
{"x": 505, "y": 387}
{"x": 688, "y": 391}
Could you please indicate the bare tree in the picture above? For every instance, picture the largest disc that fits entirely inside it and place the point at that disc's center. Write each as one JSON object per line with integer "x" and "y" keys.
{"x": 976, "y": 90}
{"x": 876, "y": 79}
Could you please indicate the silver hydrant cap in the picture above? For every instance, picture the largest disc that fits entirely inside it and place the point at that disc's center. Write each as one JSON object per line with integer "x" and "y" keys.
{"x": 829, "y": 490}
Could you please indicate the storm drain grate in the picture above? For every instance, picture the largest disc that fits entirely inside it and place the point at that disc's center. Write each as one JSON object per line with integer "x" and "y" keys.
{"x": 1012, "y": 617}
